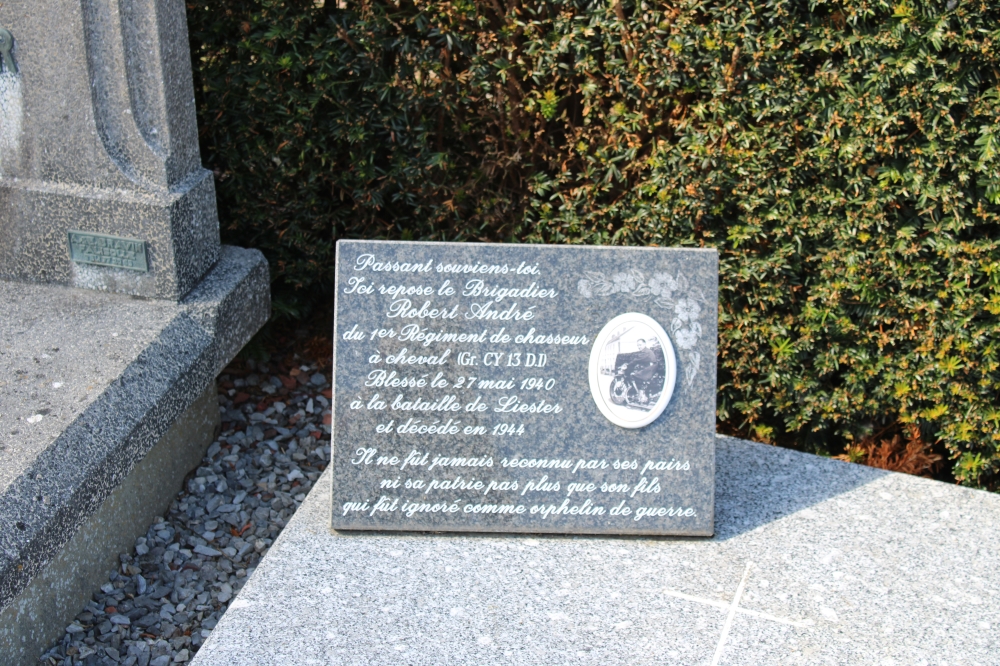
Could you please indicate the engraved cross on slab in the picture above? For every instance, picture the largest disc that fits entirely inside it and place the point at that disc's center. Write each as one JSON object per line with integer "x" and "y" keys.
{"x": 524, "y": 388}
{"x": 732, "y": 608}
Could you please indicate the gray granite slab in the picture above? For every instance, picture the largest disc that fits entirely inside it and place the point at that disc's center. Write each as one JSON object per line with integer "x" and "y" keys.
{"x": 524, "y": 388}
{"x": 814, "y": 561}
{"x": 90, "y": 381}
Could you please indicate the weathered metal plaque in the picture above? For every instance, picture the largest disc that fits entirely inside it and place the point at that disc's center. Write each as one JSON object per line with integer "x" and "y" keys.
{"x": 524, "y": 388}
{"x": 104, "y": 250}
{"x": 7, "y": 63}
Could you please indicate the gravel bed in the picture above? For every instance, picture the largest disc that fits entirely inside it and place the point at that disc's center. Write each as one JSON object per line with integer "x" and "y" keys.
{"x": 164, "y": 599}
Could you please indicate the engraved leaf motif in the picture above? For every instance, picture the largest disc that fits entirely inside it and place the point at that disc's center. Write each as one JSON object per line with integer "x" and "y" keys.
{"x": 691, "y": 369}
{"x": 598, "y": 285}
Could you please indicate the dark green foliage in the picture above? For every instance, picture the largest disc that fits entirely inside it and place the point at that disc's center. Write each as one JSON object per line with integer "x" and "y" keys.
{"x": 844, "y": 157}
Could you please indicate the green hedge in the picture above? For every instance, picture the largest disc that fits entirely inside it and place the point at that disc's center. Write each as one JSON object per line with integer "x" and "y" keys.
{"x": 844, "y": 157}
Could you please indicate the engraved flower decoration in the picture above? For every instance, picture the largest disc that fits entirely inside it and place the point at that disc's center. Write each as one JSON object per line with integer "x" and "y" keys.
{"x": 623, "y": 282}
{"x": 665, "y": 291}
{"x": 662, "y": 284}
{"x": 687, "y": 338}
{"x": 687, "y": 309}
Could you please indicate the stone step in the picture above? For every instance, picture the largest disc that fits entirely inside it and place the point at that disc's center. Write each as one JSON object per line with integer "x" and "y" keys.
{"x": 106, "y": 402}
{"x": 814, "y": 561}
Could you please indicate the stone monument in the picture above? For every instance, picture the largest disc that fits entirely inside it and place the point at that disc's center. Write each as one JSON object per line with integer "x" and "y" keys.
{"x": 524, "y": 388}
{"x": 99, "y": 152}
{"x": 118, "y": 306}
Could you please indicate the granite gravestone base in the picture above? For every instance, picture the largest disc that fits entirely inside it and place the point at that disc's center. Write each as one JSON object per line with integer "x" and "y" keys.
{"x": 524, "y": 388}
{"x": 118, "y": 305}
{"x": 814, "y": 562}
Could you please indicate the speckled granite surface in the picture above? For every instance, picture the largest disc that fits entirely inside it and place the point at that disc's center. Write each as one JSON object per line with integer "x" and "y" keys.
{"x": 98, "y": 134}
{"x": 524, "y": 388}
{"x": 90, "y": 381}
{"x": 843, "y": 564}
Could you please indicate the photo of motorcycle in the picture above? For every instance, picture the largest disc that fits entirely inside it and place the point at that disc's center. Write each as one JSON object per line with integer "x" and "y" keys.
{"x": 638, "y": 382}
{"x": 632, "y": 370}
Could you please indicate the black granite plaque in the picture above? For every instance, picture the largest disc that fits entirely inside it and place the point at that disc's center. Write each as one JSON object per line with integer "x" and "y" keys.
{"x": 524, "y": 388}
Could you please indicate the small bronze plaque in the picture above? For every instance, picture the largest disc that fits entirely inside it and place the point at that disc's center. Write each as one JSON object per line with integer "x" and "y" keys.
{"x": 7, "y": 63}
{"x": 103, "y": 250}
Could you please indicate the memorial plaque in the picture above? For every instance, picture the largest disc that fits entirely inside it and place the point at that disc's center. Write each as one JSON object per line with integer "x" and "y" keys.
{"x": 524, "y": 388}
{"x": 104, "y": 250}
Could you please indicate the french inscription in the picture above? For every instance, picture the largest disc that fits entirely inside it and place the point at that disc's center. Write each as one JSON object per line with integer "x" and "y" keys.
{"x": 103, "y": 250}
{"x": 506, "y": 388}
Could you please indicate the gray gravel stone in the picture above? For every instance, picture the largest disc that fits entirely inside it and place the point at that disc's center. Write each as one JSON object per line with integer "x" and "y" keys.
{"x": 206, "y": 551}
{"x": 164, "y": 599}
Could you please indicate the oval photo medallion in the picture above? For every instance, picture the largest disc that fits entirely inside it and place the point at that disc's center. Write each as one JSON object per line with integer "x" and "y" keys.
{"x": 632, "y": 370}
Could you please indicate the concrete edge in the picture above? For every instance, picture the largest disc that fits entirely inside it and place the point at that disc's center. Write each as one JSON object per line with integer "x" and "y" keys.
{"x": 39, "y": 614}
{"x": 42, "y": 509}
{"x": 232, "y": 315}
